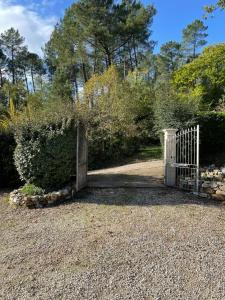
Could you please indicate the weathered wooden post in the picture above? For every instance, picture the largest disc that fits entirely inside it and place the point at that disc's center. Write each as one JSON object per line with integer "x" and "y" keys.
{"x": 170, "y": 156}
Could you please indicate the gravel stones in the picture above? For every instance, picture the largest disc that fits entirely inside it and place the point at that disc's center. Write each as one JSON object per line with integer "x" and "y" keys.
{"x": 115, "y": 244}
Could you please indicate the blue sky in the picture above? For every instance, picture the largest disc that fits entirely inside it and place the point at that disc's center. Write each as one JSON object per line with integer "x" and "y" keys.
{"x": 36, "y": 18}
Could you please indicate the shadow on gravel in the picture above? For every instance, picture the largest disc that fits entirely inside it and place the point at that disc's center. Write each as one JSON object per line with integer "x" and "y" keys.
{"x": 124, "y": 180}
{"x": 139, "y": 196}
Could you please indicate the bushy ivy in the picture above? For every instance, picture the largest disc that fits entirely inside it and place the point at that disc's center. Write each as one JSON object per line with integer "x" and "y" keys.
{"x": 45, "y": 155}
{"x": 9, "y": 176}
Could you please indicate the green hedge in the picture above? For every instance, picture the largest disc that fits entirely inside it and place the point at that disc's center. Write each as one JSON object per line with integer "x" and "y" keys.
{"x": 9, "y": 176}
{"x": 45, "y": 155}
{"x": 212, "y": 138}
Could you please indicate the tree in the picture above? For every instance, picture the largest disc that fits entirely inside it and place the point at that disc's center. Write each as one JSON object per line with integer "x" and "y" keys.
{"x": 35, "y": 66}
{"x": 169, "y": 58}
{"x": 12, "y": 44}
{"x": 194, "y": 37}
{"x": 220, "y": 4}
{"x": 3, "y": 62}
{"x": 173, "y": 110}
{"x": 204, "y": 76}
{"x": 95, "y": 34}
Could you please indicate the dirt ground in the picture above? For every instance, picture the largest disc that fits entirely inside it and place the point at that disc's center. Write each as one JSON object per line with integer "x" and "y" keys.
{"x": 141, "y": 174}
{"x": 115, "y": 243}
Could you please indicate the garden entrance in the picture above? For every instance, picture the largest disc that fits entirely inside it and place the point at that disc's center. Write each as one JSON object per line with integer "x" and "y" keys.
{"x": 181, "y": 158}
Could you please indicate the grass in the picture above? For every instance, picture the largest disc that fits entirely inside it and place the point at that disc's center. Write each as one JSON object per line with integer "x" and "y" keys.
{"x": 149, "y": 152}
{"x": 32, "y": 190}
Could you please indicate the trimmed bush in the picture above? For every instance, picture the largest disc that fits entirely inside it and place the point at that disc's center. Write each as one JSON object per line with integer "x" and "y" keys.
{"x": 9, "y": 176}
{"x": 45, "y": 155}
{"x": 212, "y": 137}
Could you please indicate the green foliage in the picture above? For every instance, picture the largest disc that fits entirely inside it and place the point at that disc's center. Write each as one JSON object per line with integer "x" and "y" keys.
{"x": 150, "y": 152}
{"x": 46, "y": 142}
{"x": 45, "y": 153}
{"x": 141, "y": 95}
{"x": 9, "y": 177}
{"x": 173, "y": 110}
{"x": 205, "y": 76}
{"x": 194, "y": 37}
{"x": 169, "y": 58}
{"x": 111, "y": 121}
{"x": 94, "y": 35}
{"x": 32, "y": 190}
{"x": 212, "y": 133}
{"x": 211, "y": 8}
{"x": 121, "y": 116}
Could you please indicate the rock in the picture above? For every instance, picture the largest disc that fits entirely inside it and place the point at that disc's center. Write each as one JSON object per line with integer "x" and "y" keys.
{"x": 203, "y": 195}
{"x": 209, "y": 184}
{"x": 220, "y": 195}
{"x": 16, "y": 198}
{"x": 222, "y": 187}
{"x": 219, "y": 192}
{"x": 66, "y": 192}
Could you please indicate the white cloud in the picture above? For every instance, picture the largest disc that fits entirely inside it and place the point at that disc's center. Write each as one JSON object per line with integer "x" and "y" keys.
{"x": 35, "y": 28}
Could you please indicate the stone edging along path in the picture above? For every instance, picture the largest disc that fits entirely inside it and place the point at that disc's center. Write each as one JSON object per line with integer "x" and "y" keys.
{"x": 18, "y": 199}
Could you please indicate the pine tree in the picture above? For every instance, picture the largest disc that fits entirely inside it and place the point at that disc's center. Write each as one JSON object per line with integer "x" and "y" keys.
{"x": 194, "y": 37}
{"x": 12, "y": 44}
{"x": 169, "y": 58}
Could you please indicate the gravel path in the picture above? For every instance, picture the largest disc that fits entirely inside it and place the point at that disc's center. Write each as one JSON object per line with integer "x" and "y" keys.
{"x": 114, "y": 244}
{"x": 141, "y": 174}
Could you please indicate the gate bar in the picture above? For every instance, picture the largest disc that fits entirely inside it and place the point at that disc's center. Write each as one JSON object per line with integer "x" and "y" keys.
{"x": 197, "y": 162}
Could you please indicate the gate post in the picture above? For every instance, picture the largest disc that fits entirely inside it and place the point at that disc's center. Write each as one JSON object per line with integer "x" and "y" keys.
{"x": 170, "y": 156}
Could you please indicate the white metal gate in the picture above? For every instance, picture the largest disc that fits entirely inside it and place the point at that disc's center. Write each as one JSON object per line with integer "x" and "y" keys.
{"x": 181, "y": 158}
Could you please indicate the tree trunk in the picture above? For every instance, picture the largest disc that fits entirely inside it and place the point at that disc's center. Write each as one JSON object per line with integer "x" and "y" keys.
{"x": 130, "y": 55}
{"x": 13, "y": 67}
{"x": 135, "y": 53}
{"x": 1, "y": 78}
{"x": 26, "y": 81}
{"x": 124, "y": 68}
{"x": 76, "y": 87}
{"x": 84, "y": 72}
{"x": 109, "y": 59}
{"x": 194, "y": 51}
{"x": 32, "y": 77}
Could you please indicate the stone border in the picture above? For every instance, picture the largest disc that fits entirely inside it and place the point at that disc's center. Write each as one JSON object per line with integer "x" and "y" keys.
{"x": 18, "y": 199}
{"x": 214, "y": 189}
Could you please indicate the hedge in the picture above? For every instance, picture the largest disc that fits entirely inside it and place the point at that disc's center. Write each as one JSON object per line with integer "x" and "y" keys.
{"x": 45, "y": 155}
{"x": 9, "y": 176}
{"x": 212, "y": 138}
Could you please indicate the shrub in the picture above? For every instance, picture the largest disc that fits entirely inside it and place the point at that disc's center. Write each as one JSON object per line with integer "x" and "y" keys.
{"x": 45, "y": 154}
{"x": 32, "y": 190}
{"x": 9, "y": 176}
{"x": 212, "y": 137}
{"x": 173, "y": 110}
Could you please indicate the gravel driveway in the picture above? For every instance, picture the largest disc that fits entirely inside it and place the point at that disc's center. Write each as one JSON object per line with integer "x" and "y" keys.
{"x": 119, "y": 243}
